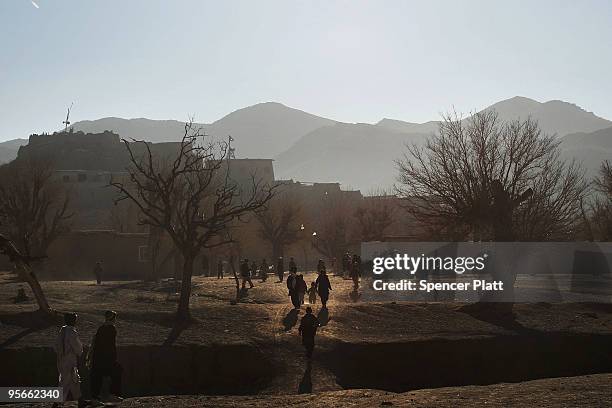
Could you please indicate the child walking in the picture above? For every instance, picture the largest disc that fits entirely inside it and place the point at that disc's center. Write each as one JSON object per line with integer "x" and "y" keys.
{"x": 312, "y": 293}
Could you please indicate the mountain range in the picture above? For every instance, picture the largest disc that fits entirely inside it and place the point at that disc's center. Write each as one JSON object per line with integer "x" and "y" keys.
{"x": 310, "y": 148}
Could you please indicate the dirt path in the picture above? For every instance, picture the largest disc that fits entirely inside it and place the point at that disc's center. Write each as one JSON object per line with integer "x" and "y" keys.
{"x": 298, "y": 374}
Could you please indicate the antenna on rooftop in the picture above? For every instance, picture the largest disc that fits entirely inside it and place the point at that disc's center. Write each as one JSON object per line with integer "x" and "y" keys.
{"x": 67, "y": 121}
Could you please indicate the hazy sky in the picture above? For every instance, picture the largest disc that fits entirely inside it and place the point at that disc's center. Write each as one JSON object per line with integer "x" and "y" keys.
{"x": 352, "y": 61}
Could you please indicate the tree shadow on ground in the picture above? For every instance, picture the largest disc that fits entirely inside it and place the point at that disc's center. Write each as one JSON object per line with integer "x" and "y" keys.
{"x": 162, "y": 286}
{"x": 243, "y": 293}
{"x": 354, "y": 296}
{"x": 14, "y": 339}
{"x": 305, "y": 386}
{"x": 32, "y": 322}
{"x": 161, "y": 318}
{"x": 291, "y": 319}
{"x": 323, "y": 316}
{"x": 176, "y": 331}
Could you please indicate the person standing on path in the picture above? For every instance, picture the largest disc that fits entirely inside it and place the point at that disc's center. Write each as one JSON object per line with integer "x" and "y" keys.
{"x": 356, "y": 271}
{"x": 104, "y": 358}
{"x": 323, "y": 287}
{"x": 69, "y": 349}
{"x": 245, "y": 273}
{"x": 220, "y": 269}
{"x": 308, "y": 330}
{"x": 301, "y": 288}
{"x": 280, "y": 269}
{"x": 263, "y": 270}
{"x": 98, "y": 270}
{"x": 292, "y": 287}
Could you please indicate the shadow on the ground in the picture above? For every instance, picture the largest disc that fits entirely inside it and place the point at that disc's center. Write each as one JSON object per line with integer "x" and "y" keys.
{"x": 305, "y": 386}
{"x": 243, "y": 293}
{"x": 161, "y": 318}
{"x": 31, "y": 321}
{"x": 291, "y": 319}
{"x": 175, "y": 333}
{"x": 323, "y": 316}
{"x": 163, "y": 286}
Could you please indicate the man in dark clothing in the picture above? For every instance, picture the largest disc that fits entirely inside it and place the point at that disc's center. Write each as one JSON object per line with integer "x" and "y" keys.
{"x": 346, "y": 259}
{"x": 323, "y": 287}
{"x": 356, "y": 271}
{"x": 245, "y": 273}
{"x": 308, "y": 329}
{"x": 280, "y": 269}
{"x": 98, "y": 272}
{"x": 263, "y": 270}
{"x": 220, "y": 269}
{"x": 293, "y": 289}
{"x": 104, "y": 358}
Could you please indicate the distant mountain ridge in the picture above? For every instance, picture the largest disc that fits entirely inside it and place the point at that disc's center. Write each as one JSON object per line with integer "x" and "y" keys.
{"x": 408, "y": 127}
{"x": 554, "y": 117}
{"x": 9, "y": 149}
{"x": 589, "y": 149}
{"x": 307, "y": 147}
{"x": 141, "y": 128}
{"x": 368, "y": 162}
{"x": 263, "y": 130}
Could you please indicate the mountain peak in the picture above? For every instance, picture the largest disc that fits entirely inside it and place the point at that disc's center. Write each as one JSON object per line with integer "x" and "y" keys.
{"x": 554, "y": 117}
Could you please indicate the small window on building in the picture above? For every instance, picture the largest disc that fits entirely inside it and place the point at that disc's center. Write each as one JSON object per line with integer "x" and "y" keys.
{"x": 143, "y": 253}
{"x": 82, "y": 177}
{"x": 66, "y": 178}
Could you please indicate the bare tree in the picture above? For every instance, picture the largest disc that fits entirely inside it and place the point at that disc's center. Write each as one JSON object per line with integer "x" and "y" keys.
{"x": 190, "y": 196}
{"x": 492, "y": 180}
{"x": 333, "y": 227}
{"x": 33, "y": 213}
{"x": 154, "y": 244}
{"x": 279, "y": 223}
{"x": 599, "y": 218}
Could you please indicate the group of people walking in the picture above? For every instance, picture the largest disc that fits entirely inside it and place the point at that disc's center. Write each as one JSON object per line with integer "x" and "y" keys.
{"x": 247, "y": 272}
{"x": 101, "y": 359}
{"x": 351, "y": 267}
{"x": 297, "y": 287}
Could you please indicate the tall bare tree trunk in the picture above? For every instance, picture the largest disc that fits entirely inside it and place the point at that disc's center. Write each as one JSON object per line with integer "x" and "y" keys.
{"x": 183, "y": 312}
{"x": 277, "y": 250}
{"x": 235, "y": 278}
{"x": 26, "y": 273}
{"x": 154, "y": 245}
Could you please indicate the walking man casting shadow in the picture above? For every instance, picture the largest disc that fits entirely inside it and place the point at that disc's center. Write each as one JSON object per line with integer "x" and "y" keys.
{"x": 308, "y": 329}
{"x": 322, "y": 283}
{"x": 104, "y": 359}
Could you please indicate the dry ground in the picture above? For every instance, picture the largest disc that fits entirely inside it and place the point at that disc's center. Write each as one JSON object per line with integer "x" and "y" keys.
{"x": 146, "y": 314}
{"x": 263, "y": 318}
{"x": 584, "y": 391}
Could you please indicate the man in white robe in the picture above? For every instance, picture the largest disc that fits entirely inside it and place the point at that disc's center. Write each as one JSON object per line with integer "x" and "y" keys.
{"x": 69, "y": 349}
